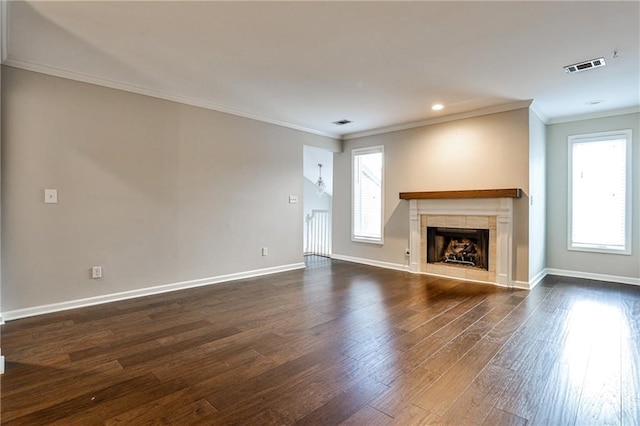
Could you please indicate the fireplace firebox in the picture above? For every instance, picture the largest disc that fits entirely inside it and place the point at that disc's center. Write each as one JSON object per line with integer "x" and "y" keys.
{"x": 458, "y": 247}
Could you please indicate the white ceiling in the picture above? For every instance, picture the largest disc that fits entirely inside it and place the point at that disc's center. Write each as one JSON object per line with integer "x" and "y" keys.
{"x": 307, "y": 64}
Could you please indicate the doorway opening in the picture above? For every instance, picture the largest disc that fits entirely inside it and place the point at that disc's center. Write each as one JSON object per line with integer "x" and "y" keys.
{"x": 317, "y": 200}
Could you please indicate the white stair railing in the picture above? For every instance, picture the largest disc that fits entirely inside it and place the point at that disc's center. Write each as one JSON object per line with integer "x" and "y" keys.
{"x": 318, "y": 233}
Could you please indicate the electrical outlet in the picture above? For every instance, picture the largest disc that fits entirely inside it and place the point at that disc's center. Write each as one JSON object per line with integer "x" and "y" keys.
{"x": 96, "y": 272}
{"x": 51, "y": 196}
{"x": 265, "y": 251}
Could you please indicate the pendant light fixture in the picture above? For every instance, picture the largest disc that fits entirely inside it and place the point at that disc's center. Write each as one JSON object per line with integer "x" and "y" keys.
{"x": 320, "y": 185}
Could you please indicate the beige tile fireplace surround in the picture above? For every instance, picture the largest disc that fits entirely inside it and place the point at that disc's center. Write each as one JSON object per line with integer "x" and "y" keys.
{"x": 460, "y": 222}
{"x": 489, "y": 209}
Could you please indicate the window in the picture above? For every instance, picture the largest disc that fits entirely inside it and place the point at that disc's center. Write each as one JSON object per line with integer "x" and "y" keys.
{"x": 600, "y": 192}
{"x": 367, "y": 194}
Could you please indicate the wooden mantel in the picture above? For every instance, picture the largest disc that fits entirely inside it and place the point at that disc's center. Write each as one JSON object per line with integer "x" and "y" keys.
{"x": 473, "y": 193}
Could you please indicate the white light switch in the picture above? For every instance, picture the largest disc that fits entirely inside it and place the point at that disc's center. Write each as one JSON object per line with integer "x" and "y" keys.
{"x": 96, "y": 272}
{"x": 293, "y": 199}
{"x": 51, "y": 196}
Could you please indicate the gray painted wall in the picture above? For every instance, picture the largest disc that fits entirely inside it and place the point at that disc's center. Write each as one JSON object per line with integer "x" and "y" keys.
{"x": 0, "y": 189}
{"x": 489, "y": 151}
{"x": 537, "y": 196}
{"x": 154, "y": 191}
{"x": 558, "y": 257}
{"x": 158, "y": 192}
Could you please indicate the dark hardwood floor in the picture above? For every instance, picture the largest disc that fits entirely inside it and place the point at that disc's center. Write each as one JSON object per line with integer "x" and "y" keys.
{"x": 337, "y": 343}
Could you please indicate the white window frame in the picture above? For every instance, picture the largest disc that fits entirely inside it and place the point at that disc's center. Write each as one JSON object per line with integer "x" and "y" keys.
{"x": 594, "y": 137}
{"x": 354, "y": 153}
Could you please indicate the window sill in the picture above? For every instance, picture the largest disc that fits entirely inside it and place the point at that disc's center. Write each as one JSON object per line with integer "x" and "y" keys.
{"x": 600, "y": 250}
{"x": 367, "y": 241}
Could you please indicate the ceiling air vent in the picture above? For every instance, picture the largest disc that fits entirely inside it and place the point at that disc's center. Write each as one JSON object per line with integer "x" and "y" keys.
{"x": 342, "y": 122}
{"x": 586, "y": 65}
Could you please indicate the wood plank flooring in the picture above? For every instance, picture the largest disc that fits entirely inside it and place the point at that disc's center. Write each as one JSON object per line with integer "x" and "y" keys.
{"x": 336, "y": 343}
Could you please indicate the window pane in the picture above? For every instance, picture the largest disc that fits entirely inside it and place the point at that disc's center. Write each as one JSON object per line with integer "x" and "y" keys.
{"x": 367, "y": 195}
{"x": 598, "y": 193}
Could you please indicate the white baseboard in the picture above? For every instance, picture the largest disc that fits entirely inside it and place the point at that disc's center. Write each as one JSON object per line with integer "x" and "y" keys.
{"x": 593, "y": 276}
{"x": 97, "y": 300}
{"x": 533, "y": 282}
{"x": 148, "y": 291}
{"x": 516, "y": 284}
{"x": 405, "y": 268}
{"x": 521, "y": 285}
{"x": 461, "y": 279}
{"x": 370, "y": 262}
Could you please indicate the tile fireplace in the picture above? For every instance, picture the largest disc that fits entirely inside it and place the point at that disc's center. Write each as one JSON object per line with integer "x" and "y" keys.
{"x": 463, "y": 234}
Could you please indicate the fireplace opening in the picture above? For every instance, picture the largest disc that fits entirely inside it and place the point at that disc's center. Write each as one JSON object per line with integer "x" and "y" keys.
{"x": 458, "y": 247}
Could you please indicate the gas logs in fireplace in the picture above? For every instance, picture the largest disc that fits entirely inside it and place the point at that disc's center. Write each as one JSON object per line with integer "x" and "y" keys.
{"x": 460, "y": 247}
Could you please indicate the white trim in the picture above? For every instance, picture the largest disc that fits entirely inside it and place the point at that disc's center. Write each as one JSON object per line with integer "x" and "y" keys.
{"x": 501, "y": 208}
{"x": 533, "y": 282}
{"x": 522, "y": 285}
{"x": 594, "y": 276}
{"x": 538, "y": 113}
{"x": 364, "y": 151}
{"x": 371, "y": 262}
{"x": 405, "y": 268}
{"x": 625, "y": 134}
{"x": 99, "y": 81}
{"x": 594, "y": 115}
{"x": 148, "y": 291}
{"x": 436, "y": 120}
{"x": 4, "y": 15}
{"x": 461, "y": 279}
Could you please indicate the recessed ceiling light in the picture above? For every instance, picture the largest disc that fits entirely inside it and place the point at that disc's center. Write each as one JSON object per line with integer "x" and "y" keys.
{"x": 437, "y": 107}
{"x": 342, "y": 122}
{"x": 594, "y": 102}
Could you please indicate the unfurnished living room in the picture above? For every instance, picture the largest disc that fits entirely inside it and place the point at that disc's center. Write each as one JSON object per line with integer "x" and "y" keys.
{"x": 320, "y": 212}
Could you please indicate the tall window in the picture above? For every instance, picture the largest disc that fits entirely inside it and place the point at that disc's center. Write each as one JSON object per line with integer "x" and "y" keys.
{"x": 367, "y": 195}
{"x": 600, "y": 192}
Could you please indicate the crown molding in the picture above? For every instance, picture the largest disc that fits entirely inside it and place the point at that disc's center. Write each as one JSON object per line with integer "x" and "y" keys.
{"x": 594, "y": 115}
{"x": 118, "y": 85}
{"x": 538, "y": 112}
{"x": 437, "y": 120}
{"x": 113, "y": 84}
